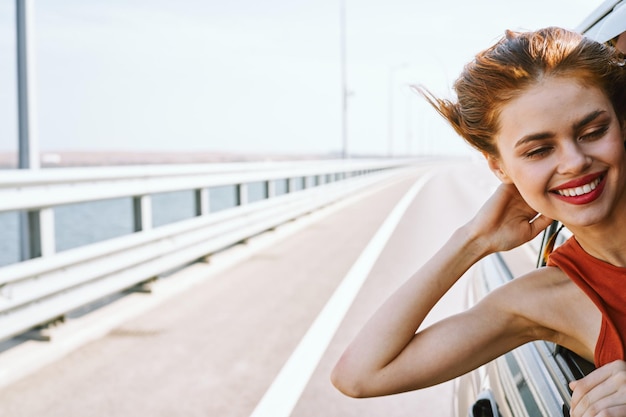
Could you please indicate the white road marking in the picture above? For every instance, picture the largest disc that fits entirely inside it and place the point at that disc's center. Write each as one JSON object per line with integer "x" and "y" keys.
{"x": 282, "y": 396}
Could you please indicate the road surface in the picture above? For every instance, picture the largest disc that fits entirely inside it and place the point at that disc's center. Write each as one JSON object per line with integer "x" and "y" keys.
{"x": 261, "y": 336}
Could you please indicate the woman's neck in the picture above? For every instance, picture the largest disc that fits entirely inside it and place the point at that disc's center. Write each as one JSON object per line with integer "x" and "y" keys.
{"x": 606, "y": 244}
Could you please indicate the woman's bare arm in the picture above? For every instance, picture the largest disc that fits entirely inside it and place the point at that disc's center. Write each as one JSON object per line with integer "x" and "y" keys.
{"x": 388, "y": 355}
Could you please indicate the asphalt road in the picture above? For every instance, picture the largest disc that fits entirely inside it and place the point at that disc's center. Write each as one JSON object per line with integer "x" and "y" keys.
{"x": 221, "y": 346}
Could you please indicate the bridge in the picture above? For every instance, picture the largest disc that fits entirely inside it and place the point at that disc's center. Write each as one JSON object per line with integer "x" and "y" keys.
{"x": 239, "y": 312}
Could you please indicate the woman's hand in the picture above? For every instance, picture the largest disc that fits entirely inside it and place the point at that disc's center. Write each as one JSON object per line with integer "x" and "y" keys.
{"x": 601, "y": 393}
{"x": 505, "y": 221}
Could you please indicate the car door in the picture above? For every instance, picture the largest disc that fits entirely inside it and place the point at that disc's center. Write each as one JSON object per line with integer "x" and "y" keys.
{"x": 531, "y": 380}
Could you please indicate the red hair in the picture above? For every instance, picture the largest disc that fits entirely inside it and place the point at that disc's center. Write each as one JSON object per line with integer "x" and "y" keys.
{"x": 518, "y": 61}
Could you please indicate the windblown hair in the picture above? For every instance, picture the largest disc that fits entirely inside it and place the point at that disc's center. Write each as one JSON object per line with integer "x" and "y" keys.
{"x": 517, "y": 62}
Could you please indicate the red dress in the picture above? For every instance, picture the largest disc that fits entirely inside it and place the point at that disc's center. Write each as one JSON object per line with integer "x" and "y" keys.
{"x": 605, "y": 285}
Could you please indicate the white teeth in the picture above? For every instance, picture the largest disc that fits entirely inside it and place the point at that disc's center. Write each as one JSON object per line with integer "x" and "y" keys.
{"x": 587, "y": 188}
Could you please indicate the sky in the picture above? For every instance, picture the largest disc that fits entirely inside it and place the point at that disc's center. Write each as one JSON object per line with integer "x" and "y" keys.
{"x": 249, "y": 76}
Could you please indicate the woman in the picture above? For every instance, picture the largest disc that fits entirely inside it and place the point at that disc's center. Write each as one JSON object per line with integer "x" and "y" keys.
{"x": 547, "y": 110}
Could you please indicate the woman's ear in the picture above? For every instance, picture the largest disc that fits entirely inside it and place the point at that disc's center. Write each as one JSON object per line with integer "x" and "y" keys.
{"x": 496, "y": 167}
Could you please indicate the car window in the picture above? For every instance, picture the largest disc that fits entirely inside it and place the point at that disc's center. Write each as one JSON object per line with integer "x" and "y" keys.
{"x": 554, "y": 236}
{"x": 573, "y": 366}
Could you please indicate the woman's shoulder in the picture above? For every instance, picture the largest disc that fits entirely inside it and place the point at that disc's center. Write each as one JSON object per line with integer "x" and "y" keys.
{"x": 533, "y": 295}
{"x": 530, "y": 295}
{"x": 538, "y": 284}
{"x": 523, "y": 304}
{"x": 552, "y": 305}
{"x": 543, "y": 290}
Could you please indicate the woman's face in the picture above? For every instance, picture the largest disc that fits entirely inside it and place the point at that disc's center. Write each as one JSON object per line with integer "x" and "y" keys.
{"x": 562, "y": 146}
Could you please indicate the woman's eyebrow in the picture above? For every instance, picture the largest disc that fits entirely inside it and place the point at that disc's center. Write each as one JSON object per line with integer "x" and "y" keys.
{"x": 533, "y": 137}
{"x": 588, "y": 118}
{"x": 547, "y": 135}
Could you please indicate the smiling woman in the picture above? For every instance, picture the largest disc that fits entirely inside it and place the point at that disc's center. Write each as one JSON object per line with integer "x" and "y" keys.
{"x": 561, "y": 142}
{"x": 547, "y": 110}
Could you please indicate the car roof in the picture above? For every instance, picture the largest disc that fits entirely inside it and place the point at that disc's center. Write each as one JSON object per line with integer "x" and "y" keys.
{"x": 605, "y": 22}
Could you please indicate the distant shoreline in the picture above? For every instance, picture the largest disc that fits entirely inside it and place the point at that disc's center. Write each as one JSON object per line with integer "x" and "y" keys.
{"x": 8, "y": 160}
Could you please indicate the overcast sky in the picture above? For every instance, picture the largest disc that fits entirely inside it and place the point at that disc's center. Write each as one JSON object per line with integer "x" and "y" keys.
{"x": 250, "y": 75}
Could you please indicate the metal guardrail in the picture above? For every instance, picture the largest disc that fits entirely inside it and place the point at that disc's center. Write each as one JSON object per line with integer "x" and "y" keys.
{"x": 43, "y": 289}
{"x": 39, "y": 190}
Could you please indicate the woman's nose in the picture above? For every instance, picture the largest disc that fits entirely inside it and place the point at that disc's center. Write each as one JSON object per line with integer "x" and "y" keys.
{"x": 573, "y": 158}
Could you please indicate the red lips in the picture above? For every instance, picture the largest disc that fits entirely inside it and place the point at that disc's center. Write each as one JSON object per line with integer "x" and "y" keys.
{"x": 578, "y": 182}
{"x": 586, "y": 197}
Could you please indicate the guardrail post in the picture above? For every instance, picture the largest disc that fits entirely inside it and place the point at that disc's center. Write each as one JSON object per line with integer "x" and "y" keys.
{"x": 242, "y": 194}
{"x": 291, "y": 185}
{"x": 270, "y": 188}
{"x": 202, "y": 201}
{"x": 37, "y": 229}
{"x": 142, "y": 212}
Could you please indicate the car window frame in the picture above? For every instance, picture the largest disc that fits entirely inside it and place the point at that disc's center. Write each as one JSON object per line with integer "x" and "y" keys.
{"x": 553, "y": 366}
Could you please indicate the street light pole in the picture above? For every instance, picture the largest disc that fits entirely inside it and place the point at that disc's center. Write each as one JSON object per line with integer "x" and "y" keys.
{"x": 344, "y": 81}
{"x": 390, "y": 88}
{"x": 409, "y": 123}
{"x": 28, "y": 149}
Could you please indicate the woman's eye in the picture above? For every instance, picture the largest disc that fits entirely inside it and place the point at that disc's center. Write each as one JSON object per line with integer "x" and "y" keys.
{"x": 537, "y": 153}
{"x": 595, "y": 134}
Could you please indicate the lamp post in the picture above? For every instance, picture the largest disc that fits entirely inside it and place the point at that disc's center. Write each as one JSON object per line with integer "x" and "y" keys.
{"x": 28, "y": 152}
{"x": 37, "y": 226}
{"x": 392, "y": 70}
{"x": 344, "y": 81}
{"x": 408, "y": 122}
